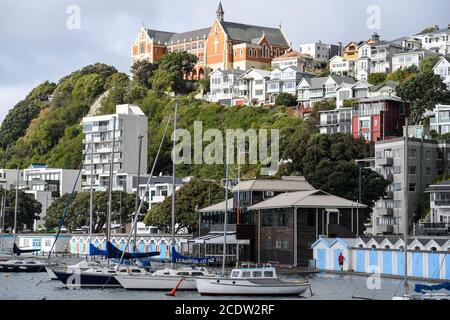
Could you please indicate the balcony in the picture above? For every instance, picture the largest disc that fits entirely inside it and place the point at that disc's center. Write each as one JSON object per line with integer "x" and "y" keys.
{"x": 385, "y": 212}
{"x": 385, "y": 162}
{"x": 385, "y": 229}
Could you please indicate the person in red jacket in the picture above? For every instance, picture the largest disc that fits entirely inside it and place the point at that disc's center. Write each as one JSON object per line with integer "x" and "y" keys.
{"x": 341, "y": 260}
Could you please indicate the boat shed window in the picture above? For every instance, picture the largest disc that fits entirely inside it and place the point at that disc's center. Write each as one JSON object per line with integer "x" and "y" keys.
{"x": 268, "y": 274}
{"x": 257, "y": 274}
{"x": 433, "y": 249}
{"x": 245, "y": 274}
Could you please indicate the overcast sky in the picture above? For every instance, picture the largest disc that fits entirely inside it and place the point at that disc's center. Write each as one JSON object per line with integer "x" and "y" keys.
{"x": 36, "y": 44}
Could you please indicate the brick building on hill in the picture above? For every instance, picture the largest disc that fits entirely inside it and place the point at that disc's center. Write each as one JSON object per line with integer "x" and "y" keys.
{"x": 225, "y": 45}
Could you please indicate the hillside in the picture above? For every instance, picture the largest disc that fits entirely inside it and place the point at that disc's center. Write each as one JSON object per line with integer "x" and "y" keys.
{"x": 45, "y": 127}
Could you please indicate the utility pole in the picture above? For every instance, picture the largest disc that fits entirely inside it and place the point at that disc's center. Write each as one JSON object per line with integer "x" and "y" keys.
{"x": 406, "y": 204}
{"x": 16, "y": 205}
{"x": 225, "y": 219}
{"x": 174, "y": 163}
{"x": 136, "y": 203}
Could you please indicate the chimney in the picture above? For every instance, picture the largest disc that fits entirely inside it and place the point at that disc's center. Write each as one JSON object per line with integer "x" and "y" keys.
{"x": 375, "y": 37}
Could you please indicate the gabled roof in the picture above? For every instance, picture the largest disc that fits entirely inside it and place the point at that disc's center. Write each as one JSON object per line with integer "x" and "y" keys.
{"x": 159, "y": 36}
{"x": 249, "y": 33}
{"x": 388, "y": 83}
{"x": 444, "y": 30}
{"x": 278, "y": 185}
{"x": 342, "y": 79}
{"x": 237, "y": 72}
{"x": 443, "y": 58}
{"x": 261, "y": 72}
{"x": 293, "y": 54}
{"x": 306, "y": 199}
{"x": 219, "y": 207}
{"x": 200, "y": 33}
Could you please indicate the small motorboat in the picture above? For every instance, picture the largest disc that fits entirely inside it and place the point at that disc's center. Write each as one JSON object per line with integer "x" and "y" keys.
{"x": 258, "y": 281}
{"x": 26, "y": 265}
{"x": 165, "y": 279}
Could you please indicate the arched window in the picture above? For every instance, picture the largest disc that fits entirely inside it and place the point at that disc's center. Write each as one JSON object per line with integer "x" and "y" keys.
{"x": 387, "y": 247}
{"x": 434, "y": 249}
{"x": 264, "y": 51}
{"x": 250, "y": 52}
{"x": 360, "y": 246}
{"x": 242, "y": 53}
{"x": 417, "y": 248}
{"x": 374, "y": 246}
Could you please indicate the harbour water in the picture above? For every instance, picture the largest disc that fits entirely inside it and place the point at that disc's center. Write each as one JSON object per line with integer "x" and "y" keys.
{"x": 38, "y": 286}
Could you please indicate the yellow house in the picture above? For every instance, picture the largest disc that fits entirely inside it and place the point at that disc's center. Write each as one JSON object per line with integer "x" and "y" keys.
{"x": 351, "y": 51}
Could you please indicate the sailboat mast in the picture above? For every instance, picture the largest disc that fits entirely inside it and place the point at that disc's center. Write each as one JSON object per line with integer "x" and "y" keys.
{"x": 16, "y": 204}
{"x": 108, "y": 219}
{"x": 225, "y": 219}
{"x": 91, "y": 196}
{"x": 405, "y": 211}
{"x": 136, "y": 203}
{"x": 174, "y": 171}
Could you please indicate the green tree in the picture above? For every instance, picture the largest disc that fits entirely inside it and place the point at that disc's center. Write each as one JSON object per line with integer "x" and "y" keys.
{"x": 427, "y": 64}
{"x": 173, "y": 68}
{"x": 192, "y": 196}
{"x": 376, "y": 78}
{"x": 142, "y": 71}
{"x": 423, "y": 92}
{"x": 403, "y": 74}
{"x": 286, "y": 99}
{"x": 28, "y": 210}
{"x": 78, "y": 214}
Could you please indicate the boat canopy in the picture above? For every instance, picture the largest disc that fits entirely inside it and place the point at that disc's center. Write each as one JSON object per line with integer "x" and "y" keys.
{"x": 176, "y": 257}
{"x": 421, "y": 288}
{"x": 94, "y": 251}
{"x": 114, "y": 253}
{"x": 18, "y": 251}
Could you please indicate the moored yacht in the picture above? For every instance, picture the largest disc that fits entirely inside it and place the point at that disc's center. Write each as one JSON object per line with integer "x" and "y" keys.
{"x": 165, "y": 279}
{"x": 26, "y": 265}
{"x": 258, "y": 281}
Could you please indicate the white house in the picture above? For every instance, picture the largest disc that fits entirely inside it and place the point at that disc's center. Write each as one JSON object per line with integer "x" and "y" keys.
{"x": 375, "y": 56}
{"x": 341, "y": 67}
{"x": 439, "y": 202}
{"x": 408, "y": 59}
{"x": 312, "y": 90}
{"x": 437, "y": 41}
{"x": 442, "y": 68}
{"x": 321, "y": 52}
{"x": 440, "y": 119}
{"x": 251, "y": 87}
{"x": 294, "y": 59}
{"x": 284, "y": 80}
{"x": 347, "y": 91}
{"x": 222, "y": 84}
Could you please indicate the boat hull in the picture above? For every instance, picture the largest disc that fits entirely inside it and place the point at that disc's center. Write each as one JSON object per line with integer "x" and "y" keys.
{"x": 22, "y": 268}
{"x": 150, "y": 282}
{"x": 242, "y": 287}
{"x": 86, "y": 280}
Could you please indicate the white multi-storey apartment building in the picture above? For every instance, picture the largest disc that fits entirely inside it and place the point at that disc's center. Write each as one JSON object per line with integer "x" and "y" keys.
{"x": 130, "y": 124}
{"x": 45, "y": 185}
{"x": 251, "y": 87}
{"x": 158, "y": 190}
{"x": 442, "y": 68}
{"x": 437, "y": 41}
{"x": 408, "y": 59}
{"x": 321, "y": 52}
{"x": 222, "y": 85}
{"x": 8, "y": 179}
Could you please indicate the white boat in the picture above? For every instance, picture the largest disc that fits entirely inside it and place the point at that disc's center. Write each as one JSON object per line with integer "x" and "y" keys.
{"x": 80, "y": 267}
{"x": 259, "y": 281}
{"x": 165, "y": 279}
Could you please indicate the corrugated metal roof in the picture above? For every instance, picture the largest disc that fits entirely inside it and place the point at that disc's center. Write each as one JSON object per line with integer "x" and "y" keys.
{"x": 248, "y": 33}
{"x": 285, "y": 184}
{"x": 219, "y": 207}
{"x": 306, "y": 199}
